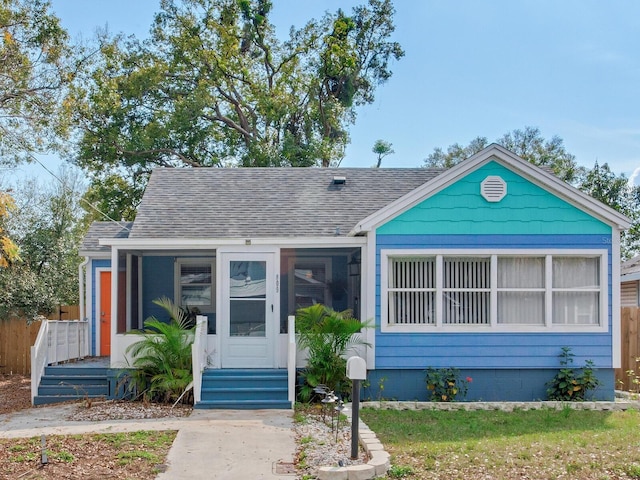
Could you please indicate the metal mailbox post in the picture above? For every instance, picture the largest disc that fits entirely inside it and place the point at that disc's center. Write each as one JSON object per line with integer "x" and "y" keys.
{"x": 356, "y": 371}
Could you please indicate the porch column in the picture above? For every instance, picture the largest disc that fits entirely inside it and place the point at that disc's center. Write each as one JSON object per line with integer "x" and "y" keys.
{"x": 114, "y": 303}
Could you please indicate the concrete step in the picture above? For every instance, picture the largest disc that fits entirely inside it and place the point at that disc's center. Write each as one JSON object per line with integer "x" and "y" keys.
{"x": 244, "y": 404}
{"x": 78, "y": 390}
{"x": 244, "y": 389}
{"x": 252, "y": 393}
{"x": 61, "y": 383}
{"x": 49, "y": 399}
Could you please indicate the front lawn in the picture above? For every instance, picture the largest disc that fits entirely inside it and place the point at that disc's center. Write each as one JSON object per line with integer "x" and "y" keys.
{"x": 134, "y": 455}
{"x": 535, "y": 444}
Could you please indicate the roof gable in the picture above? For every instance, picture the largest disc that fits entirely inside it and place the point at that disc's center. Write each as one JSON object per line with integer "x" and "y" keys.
{"x": 495, "y": 153}
{"x": 525, "y": 208}
{"x": 103, "y": 230}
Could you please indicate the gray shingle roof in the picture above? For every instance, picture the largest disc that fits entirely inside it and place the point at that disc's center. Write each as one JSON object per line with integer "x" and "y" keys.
{"x": 99, "y": 230}
{"x": 267, "y": 202}
{"x": 630, "y": 266}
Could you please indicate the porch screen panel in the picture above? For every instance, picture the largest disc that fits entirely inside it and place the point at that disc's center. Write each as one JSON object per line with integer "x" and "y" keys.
{"x": 412, "y": 288}
{"x": 247, "y": 299}
{"x": 466, "y": 290}
{"x": 134, "y": 306}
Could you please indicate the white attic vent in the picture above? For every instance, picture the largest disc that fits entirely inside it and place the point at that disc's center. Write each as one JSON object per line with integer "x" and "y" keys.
{"x": 339, "y": 180}
{"x": 493, "y": 188}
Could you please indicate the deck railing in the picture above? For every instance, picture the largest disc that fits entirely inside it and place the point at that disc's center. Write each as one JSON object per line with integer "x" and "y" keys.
{"x": 57, "y": 341}
{"x": 291, "y": 359}
{"x": 198, "y": 356}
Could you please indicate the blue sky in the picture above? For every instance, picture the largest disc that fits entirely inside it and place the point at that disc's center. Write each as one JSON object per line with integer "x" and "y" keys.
{"x": 473, "y": 68}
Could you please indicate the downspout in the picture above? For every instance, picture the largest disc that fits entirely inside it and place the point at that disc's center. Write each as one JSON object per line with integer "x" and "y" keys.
{"x": 81, "y": 282}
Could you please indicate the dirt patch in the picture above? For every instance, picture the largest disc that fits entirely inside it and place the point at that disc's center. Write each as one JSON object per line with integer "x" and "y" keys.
{"x": 136, "y": 455}
{"x": 15, "y": 393}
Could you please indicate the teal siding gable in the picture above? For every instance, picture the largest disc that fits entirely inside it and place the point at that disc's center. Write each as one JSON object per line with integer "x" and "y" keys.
{"x": 526, "y": 209}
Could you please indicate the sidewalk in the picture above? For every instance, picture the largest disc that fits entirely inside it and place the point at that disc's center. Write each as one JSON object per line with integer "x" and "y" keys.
{"x": 220, "y": 444}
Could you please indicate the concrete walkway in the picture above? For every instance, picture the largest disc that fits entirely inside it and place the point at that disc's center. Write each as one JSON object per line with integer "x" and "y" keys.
{"x": 220, "y": 444}
{"x": 233, "y": 444}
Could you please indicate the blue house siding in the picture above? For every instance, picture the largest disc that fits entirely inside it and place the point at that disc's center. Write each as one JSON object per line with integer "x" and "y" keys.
{"x": 157, "y": 281}
{"x": 487, "y": 385}
{"x": 523, "y": 358}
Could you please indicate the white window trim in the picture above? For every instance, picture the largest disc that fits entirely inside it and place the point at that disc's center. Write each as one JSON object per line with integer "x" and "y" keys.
{"x": 194, "y": 261}
{"x": 494, "y": 327}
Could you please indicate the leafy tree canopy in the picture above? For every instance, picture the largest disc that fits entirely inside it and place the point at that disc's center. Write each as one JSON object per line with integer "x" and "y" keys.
{"x": 614, "y": 190}
{"x": 47, "y": 226}
{"x": 8, "y": 249}
{"x": 214, "y": 86}
{"x": 382, "y": 148}
{"x": 36, "y": 67}
{"x": 528, "y": 144}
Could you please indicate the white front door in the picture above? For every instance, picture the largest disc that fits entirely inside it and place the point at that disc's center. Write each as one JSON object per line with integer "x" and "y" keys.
{"x": 248, "y": 317}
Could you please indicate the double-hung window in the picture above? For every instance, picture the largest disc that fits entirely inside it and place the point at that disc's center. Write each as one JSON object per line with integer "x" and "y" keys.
{"x": 481, "y": 291}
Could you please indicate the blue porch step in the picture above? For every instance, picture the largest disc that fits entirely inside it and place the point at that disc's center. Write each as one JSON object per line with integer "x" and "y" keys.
{"x": 62, "y": 383}
{"x": 244, "y": 389}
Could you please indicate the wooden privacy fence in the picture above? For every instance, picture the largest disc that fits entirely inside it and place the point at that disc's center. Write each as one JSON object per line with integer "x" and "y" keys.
{"x": 630, "y": 348}
{"x": 17, "y": 337}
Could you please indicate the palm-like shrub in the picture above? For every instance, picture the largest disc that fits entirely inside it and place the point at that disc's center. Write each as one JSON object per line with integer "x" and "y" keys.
{"x": 328, "y": 335}
{"x": 161, "y": 361}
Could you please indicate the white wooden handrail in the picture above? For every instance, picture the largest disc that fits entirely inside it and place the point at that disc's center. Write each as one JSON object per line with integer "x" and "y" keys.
{"x": 39, "y": 357}
{"x": 198, "y": 356}
{"x": 57, "y": 341}
{"x": 291, "y": 360}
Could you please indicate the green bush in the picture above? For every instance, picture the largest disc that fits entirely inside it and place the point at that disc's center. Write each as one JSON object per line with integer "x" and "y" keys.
{"x": 161, "y": 361}
{"x": 569, "y": 385}
{"x": 328, "y": 335}
{"x": 445, "y": 384}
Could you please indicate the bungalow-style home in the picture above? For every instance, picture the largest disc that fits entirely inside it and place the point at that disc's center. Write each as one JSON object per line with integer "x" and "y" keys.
{"x": 629, "y": 281}
{"x": 491, "y": 267}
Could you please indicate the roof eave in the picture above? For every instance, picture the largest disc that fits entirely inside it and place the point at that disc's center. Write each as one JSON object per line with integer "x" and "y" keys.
{"x": 209, "y": 243}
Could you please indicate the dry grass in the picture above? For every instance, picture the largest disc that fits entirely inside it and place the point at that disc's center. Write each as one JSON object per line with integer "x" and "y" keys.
{"x": 536, "y": 445}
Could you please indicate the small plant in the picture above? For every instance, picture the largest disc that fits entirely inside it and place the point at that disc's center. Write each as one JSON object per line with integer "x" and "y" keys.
{"x": 381, "y": 388}
{"x": 633, "y": 471}
{"x": 400, "y": 471}
{"x": 569, "y": 385}
{"x": 446, "y": 385}
{"x": 62, "y": 456}
{"x": 634, "y": 379}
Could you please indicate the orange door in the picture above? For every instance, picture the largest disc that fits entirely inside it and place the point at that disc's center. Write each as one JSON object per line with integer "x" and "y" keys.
{"x": 105, "y": 313}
